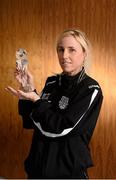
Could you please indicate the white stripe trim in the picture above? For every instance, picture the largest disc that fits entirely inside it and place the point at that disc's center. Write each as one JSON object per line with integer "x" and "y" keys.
{"x": 93, "y": 86}
{"x": 50, "y": 82}
{"x": 66, "y": 131}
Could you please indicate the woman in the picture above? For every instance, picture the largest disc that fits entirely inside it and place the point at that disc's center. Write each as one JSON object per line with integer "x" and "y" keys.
{"x": 64, "y": 115}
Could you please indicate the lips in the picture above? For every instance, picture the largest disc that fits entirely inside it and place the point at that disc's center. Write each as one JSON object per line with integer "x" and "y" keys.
{"x": 66, "y": 63}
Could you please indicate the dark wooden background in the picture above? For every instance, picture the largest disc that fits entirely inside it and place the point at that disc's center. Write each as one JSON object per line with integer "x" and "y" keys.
{"x": 35, "y": 26}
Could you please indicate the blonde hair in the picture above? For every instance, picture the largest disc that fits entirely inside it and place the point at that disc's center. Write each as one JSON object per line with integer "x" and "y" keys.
{"x": 82, "y": 39}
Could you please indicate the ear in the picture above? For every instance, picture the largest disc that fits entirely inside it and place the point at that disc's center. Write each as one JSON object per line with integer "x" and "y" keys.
{"x": 85, "y": 55}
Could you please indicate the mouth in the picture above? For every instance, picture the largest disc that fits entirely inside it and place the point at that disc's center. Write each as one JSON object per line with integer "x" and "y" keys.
{"x": 66, "y": 63}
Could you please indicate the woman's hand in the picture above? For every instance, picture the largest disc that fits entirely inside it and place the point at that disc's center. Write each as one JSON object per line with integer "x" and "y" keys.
{"x": 23, "y": 95}
{"x": 26, "y": 91}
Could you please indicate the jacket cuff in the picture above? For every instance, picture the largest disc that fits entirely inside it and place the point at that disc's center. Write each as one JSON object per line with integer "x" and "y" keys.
{"x": 24, "y": 106}
{"x": 41, "y": 105}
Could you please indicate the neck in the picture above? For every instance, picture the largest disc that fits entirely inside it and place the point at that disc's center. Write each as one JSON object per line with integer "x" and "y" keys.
{"x": 73, "y": 73}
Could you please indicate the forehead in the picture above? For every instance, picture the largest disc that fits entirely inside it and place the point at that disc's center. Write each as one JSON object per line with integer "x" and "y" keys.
{"x": 68, "y": 41}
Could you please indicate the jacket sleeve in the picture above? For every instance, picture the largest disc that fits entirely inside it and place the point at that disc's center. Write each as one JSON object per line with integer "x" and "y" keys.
{"x": 25, "y": 108}
{"x": 81, "y": 114}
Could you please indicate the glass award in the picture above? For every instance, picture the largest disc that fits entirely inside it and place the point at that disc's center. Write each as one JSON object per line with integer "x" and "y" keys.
{"x": 21, "y": 59}
{"x": 21, "y": 65}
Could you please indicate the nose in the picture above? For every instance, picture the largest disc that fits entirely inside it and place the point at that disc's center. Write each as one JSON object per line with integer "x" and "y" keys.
{"x": 65, "y": 54}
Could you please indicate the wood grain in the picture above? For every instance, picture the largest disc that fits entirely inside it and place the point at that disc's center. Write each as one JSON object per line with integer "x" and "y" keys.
{"x": 35, "y": 26}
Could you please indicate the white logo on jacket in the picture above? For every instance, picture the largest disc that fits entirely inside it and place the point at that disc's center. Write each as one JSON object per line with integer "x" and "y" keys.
{"x": 63, "y": 103}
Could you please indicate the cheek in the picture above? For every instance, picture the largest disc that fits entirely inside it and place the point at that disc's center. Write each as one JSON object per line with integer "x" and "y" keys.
{"x": 79, "y": 58}
{"x": 59, "y": 57}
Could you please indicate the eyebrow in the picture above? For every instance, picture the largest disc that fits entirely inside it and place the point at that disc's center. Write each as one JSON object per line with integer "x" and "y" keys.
{"x": 67, "y": 47}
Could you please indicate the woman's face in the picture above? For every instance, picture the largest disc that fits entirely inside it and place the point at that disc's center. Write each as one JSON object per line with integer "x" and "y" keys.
{"x": 70, "y": 55}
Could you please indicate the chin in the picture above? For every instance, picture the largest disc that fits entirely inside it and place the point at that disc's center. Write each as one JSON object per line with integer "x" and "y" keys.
{"x": 68, "y": 72}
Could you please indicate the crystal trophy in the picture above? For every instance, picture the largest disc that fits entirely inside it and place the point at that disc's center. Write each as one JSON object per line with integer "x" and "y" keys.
{"x": 21, "y": 65}
{"x": 21, "y": 59}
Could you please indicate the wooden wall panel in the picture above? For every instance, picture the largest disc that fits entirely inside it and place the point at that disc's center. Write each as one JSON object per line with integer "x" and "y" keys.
{"x": 35, "y": 26}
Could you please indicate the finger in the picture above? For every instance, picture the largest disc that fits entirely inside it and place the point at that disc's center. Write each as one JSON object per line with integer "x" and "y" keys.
{"x": 11, "y": 90}
{"x": 23, "y": 94}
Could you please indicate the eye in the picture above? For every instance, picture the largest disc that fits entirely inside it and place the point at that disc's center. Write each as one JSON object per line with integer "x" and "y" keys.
{"x": 72, "y": 50}
{"x": 60, "y": 50}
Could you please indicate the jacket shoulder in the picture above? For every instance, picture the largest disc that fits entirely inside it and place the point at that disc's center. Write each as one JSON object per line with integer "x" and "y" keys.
{"x": 91, "y": 83}
{"x": 51, "y": 80}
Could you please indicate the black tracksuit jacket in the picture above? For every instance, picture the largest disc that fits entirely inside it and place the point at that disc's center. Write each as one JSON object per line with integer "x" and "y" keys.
{"x": 63, "y": 121}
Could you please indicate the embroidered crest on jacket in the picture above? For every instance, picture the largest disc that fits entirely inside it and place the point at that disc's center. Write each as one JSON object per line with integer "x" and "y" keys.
{"x": 63, "y": 103}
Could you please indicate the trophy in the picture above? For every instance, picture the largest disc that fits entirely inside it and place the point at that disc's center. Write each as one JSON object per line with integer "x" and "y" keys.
{"x": 21, "y": 65}
{"x": 21, "y": 59}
